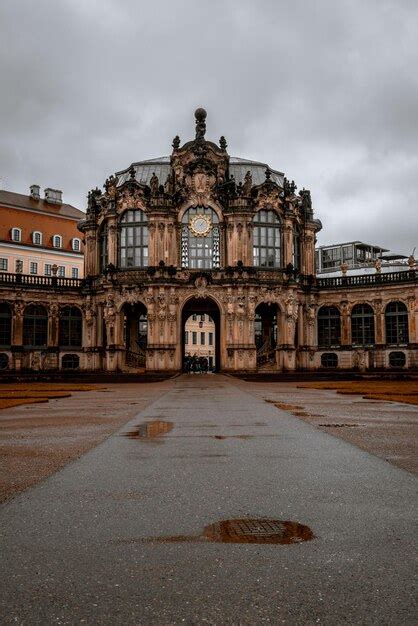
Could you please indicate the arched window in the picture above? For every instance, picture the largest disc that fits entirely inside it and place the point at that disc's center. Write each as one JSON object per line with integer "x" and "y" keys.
{"x": 103, "y": 259}
{"x": 16, "y": 234}
{"x": 362, "y": 325}
{"x": 35, "y": 326}
{"x": 76, "y": 244}
{"x": 396, "y": 318}
{"x": 267, "y": 236}
{"x": 329, "y": 326}
{"x": 200, "y": 238}
{"x": 57, "y": 241}
{"x": 133, "y": 242}
{"x": 296, "y": 260}
{"x": 5, "y": 325}
{"x": 70, "y": 327}
{"x": 37, "y": 237}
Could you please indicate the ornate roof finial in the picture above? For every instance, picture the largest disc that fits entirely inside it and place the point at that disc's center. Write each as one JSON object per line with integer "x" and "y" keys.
{"x": 200, "y": 115}
{"x": 176, "y": 142}
{"x": 222, "y": 143}
{"x": 268, "y": 173}
{"x": 132, "y": 172}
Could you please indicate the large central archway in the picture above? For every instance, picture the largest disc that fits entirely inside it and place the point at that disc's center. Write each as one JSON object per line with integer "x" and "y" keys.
{"x": 204, "y": 334}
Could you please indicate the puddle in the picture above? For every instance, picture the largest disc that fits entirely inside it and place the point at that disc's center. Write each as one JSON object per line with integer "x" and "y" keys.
{"x": 338, "y": 425}
{"x": 232, "y": 436}
{"x": 149, "y": 430}
{"x": 260, "y": 531}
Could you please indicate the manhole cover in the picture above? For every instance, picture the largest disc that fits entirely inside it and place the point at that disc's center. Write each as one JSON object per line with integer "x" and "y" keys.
{"x": 257, "y": 531}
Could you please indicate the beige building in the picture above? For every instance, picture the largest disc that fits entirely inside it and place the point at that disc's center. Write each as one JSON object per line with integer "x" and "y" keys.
{"x": 200, "y": 338}
{"x": 200, "y": 232}
{"x": 39, "y": 236}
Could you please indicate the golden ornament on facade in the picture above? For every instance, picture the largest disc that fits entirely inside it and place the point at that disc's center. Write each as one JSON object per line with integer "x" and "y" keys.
{"x": 200, "y": 225}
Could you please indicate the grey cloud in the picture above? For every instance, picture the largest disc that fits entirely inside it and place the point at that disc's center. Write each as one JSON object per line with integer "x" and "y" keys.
{"x": 327, "y": 92}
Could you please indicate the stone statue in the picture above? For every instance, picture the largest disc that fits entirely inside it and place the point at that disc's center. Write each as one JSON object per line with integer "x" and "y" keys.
{"x": 153, "y": 183}
{"x": 200, "y": 115}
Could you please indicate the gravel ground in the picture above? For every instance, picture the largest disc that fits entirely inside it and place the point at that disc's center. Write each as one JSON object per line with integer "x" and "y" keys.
{"x": 388, "y": 430}
{"x": 36, "y": 440}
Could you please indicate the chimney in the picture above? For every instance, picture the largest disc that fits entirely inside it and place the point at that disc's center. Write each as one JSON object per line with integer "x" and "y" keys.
{"x": 34, "y": 192}
{"x": 53, "y": 196}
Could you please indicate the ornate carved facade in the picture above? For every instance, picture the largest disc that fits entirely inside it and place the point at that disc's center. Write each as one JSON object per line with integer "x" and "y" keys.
{"x": 203, "y": 232}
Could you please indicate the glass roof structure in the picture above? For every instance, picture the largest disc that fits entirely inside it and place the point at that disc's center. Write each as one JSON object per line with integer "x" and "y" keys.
{"x": 237, "y": 168}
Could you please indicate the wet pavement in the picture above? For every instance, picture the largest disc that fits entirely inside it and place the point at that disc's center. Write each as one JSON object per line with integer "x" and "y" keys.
{"x": 94, "y": 542}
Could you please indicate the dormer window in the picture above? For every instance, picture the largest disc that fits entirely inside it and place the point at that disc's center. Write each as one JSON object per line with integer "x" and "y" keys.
{"x": 16, "y": 234}
{"x": 37, "y": 237}
{"x": 57, "y": 241}
{"x": 76, "y": 244}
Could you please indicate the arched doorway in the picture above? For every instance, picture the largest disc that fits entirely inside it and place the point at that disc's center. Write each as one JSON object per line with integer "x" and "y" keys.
{"x": 266, "y": 333}
{"x": 135, "y": 334}
{"x": 200, "y": 333}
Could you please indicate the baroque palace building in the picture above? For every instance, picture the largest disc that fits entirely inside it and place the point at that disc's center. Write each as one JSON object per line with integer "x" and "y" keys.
{"x": 203, "y": 233}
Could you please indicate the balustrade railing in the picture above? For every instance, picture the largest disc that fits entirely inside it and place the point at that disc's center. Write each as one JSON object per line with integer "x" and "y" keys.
{"x": 35, "y": 280}
{"x": 364, "y": 280}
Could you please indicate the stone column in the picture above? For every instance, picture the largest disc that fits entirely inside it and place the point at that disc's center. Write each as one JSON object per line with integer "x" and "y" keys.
{"x": 308, "y": 251}
{"x": 287, "y": 242}
{"x": 17, "y": 323}
{"x": 345, "y": 324}
{"x": 412, "y": 320}
{"x": 112, "y": 241}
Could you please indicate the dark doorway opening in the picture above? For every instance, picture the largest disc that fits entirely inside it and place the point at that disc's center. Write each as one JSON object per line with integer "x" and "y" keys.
{"x": 200, "y": 329}
{"x": 265, "y": 331}
{"x": 135, "y": 332}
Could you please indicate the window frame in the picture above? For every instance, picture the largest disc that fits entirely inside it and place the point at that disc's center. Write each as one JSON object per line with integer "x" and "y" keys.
{"x": 34, "y": 235}
{"x": 12, "y": 234}
{"x": 35, "y": 325}
{"x": 327, "y": 329}
{"x": 362, "y": 325}
{"x": 133, "y": 240}
{"x": 267, "y": 239}
{"x": 70, "y": 326}
{"x": 59, "y": 237}
{"x": 76, "y": 241}
{"x": 396, "y": 323}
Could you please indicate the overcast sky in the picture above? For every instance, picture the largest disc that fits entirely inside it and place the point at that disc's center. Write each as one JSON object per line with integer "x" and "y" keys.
{"x": 325, "y": 91}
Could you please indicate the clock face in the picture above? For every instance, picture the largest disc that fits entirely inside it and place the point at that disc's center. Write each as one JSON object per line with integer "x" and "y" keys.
{"x": 200, "y": 225}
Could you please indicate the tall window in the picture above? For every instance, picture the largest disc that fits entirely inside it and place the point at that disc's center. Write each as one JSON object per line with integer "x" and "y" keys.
{"x": 4, "y": 264}
{"x": 133, "y": 242}
{"x": 396, "y": 318}
{"x": 362, "y": 325}
{"x": 74, "y": 272}
{"x": 329, "y": 326}
{"x": 5, "y": 325}
{"x": 200, "y": 238}
{"x": 35, "y": 326}
{"x": 103, "y": 247}
{"x": 33, "y": 267}
{"x": 267, "y": 239}
{"x": 70, "y": 327}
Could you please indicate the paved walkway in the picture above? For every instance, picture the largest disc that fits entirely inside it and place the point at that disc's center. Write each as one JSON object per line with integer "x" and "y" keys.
{"x": 71, "y": 547}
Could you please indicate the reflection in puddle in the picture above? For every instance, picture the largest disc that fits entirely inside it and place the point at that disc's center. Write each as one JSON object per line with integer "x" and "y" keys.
{"x": 266, "y": 531}
{"x": 149, "y": 430}
{"x": 338, "y": 425}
